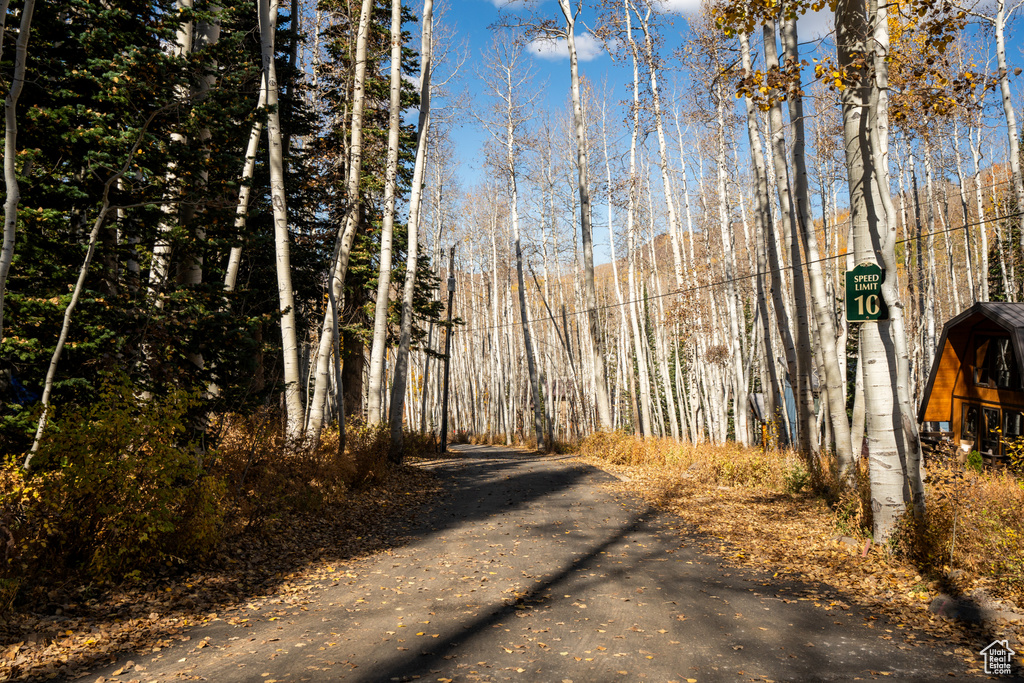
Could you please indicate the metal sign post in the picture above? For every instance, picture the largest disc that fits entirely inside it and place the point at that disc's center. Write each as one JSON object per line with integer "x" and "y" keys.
{"x": 864, "y": 300}
{"x": 447, "y": 350}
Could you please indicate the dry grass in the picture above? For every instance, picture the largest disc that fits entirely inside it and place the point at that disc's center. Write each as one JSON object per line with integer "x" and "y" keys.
{"x": 719, "y": 465}
{"x": 973, "y": 525}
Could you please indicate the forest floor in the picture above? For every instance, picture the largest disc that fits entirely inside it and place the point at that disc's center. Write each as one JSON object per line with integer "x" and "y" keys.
{"x": 83, "y": 627}
{"x": 531, "y": 568}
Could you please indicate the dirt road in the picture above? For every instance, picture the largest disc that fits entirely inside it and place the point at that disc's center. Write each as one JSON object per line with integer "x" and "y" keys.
{"x": 533, "y": 570}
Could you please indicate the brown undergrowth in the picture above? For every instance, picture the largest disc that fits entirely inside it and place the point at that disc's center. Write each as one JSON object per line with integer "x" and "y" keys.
{"x": 760, "y": 510}
{"x": 278, "y": 521}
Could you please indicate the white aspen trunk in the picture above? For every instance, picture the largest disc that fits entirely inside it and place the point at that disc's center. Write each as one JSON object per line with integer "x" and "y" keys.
{"x": 738, "y": 379}
{"x": 531, "y": 366}
{"x": 835, "y": 388}
{"x": 976, "y": 157}
{"x": 346, "y": 235}
{"x": 11, "y": 187}
{"x": 245, "y": 191}
{"x": 625, "y": 367}
{"x": 76, "y": 292}
{"x": 962, "y": 187}
{"x": 412, "y": 246}
{"x": 597, "y": 358}
{"x": 931, "y": 299}
{"x": 866, "y": 136}
{"x": 286, "y": 299}
{"x": 661, "y": 351}
{"x": 1012, "y": 134}
{"x": 631, "y": 255}
{"x": 775, "y": 397}
{"x": 666, "y": 179}
{"x": 378, "y": 347}
{"x": 806, "y": 438}
{"x": 161, "y": 262}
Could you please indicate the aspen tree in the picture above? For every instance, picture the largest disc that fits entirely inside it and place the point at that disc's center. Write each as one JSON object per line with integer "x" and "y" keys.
{"x": 998, "y": 20}
{"x": 806, "y": 437}
{"x": 380, "y": 311}
{"x": 412, "y": 247}
{"x": 286, "y": 299}
{"x": 507, "y": 79}
{"x": 863, "y": 102}
{"x": 835, "y": 388}
{"x": 11, "y": 188}
{"x": 343, "y": 243}
{"x": 631, "y": 248}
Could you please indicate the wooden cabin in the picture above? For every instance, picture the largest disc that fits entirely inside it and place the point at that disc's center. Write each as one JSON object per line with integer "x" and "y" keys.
{"x": 975, "y": 383}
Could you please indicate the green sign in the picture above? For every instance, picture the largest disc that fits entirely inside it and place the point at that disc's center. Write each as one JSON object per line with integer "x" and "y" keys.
{"x": 864, "y": 294}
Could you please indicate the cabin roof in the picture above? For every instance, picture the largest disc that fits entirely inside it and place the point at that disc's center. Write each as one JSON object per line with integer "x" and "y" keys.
{"x": 1009, "y": 316}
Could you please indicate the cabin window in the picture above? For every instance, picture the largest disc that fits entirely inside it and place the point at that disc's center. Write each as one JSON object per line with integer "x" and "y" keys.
{"x": 995, "y": 363}
{"x": 990, "y": 432}
{"x": 1013, "y": 424}
{"x": 969, "y": 423}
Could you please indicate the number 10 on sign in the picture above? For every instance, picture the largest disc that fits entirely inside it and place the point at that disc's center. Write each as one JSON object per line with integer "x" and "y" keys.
{"x": 864, "y": 294}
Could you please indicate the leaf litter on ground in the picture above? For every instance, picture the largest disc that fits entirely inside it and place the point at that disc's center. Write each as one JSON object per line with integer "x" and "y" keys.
{"x": 76, "y": 628}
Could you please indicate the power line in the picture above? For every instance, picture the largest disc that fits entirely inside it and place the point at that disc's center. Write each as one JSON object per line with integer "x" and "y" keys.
{"x": 741, "y": 278}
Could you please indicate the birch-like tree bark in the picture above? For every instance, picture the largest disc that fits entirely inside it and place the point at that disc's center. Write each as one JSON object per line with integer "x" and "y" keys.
{"x": 834, "y": 385}
{"x": 343, "y": 243}
{"x": 604, "y": 413}
{"x": 380, "y": 312}
{"x": 872, "y": 217}
{"x": 806, "y": 436}
{"x": 13, "y": 191}
{"x": 278, "y": 199}
{"x": 401, "y": 375}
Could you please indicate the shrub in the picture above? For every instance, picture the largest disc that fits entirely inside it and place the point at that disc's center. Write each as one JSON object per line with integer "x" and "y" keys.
{"x": 796, "y": 477}
{"x": 115, "y": 489}
{"x": 419, "y": 444}
{"x": 975, "y": 461}
{"x": 367, "y": 449}
{"x": 973, "y": 522}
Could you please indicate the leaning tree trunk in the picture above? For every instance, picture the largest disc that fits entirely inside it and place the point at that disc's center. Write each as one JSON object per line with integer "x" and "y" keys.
{"x": 343, "y": 242}
{"x": 11, "y": 149}
{"x": 76, "y": 292}
{"x": 245, "y": 191}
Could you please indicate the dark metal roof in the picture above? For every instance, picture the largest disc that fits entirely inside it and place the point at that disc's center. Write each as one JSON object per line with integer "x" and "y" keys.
{"x": 1007, "y": 315}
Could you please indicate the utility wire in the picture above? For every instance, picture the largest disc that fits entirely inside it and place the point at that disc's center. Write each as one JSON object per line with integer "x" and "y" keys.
{"x": 740, "y": 278}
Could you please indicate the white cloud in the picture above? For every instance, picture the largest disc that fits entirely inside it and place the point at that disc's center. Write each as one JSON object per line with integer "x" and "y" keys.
{"x": 681, "y": 7}
{"x": 587, "y": 48}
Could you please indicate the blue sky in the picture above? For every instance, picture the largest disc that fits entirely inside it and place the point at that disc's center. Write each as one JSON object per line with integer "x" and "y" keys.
{"x": 471, "y": 21}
